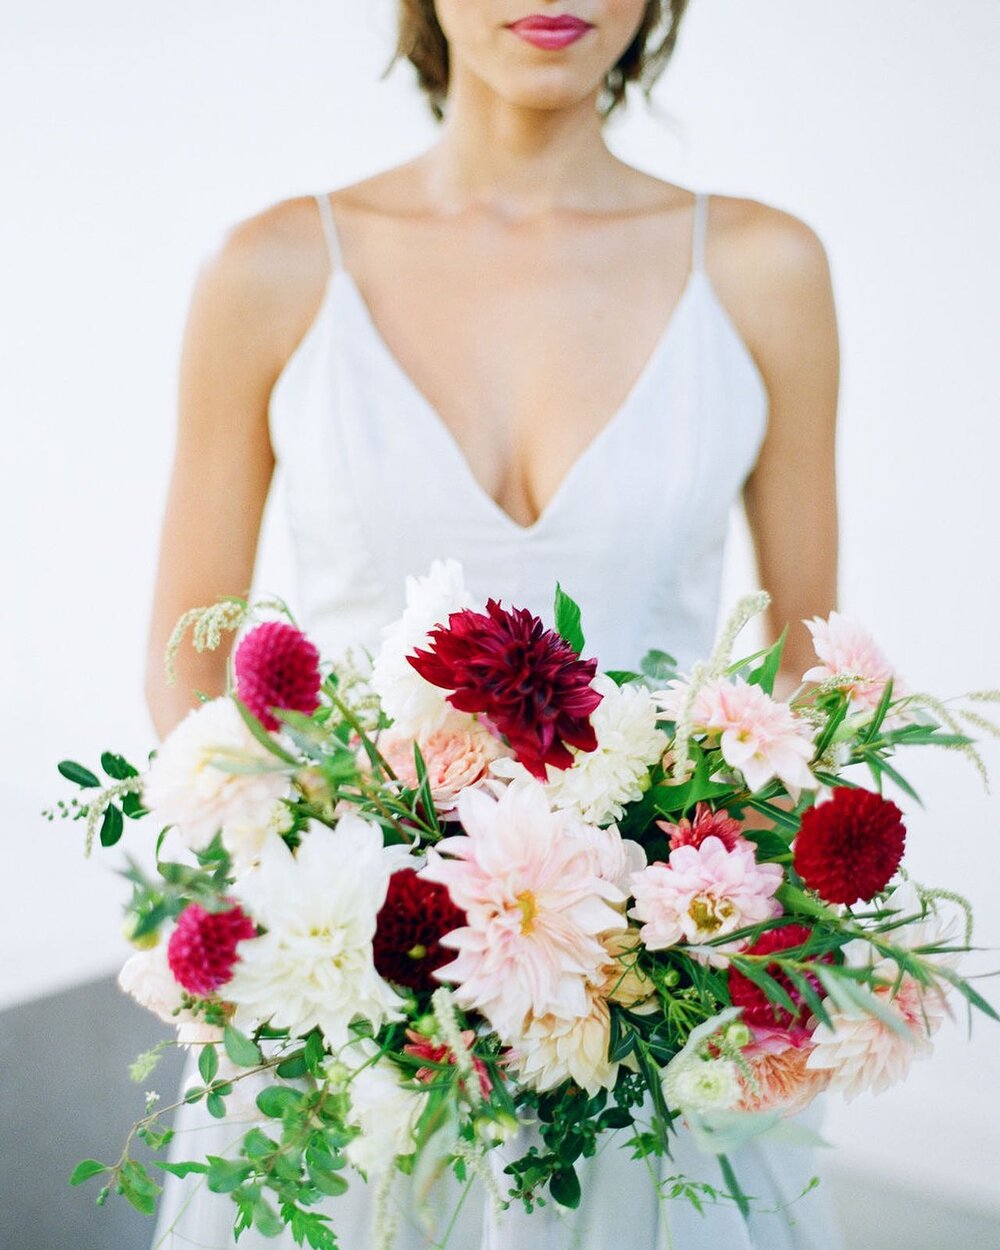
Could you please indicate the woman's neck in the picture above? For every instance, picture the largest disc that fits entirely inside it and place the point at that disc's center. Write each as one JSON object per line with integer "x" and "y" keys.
{"x": 520, "y": 162}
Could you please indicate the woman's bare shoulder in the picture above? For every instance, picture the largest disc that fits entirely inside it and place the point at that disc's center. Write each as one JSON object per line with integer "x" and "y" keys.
{"x": 766, "y": 244}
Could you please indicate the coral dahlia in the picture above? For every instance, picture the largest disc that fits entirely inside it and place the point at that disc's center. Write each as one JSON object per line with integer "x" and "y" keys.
{"x": 416, "y": 914}
{"x": 758, "y": 1010}
{"x": 706, "y": 824}
{"x": 849, "y": 847}
{"x": 277, "y": 666}
{"x": 202, "y": 948}
{"x": 523, "y": 678}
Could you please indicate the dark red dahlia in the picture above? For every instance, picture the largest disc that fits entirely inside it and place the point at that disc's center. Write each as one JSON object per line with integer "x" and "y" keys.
{"x": 849, "y": 847}
{"x": 757, "y": 1007}
{"x": 526, "y": 680}
{"x": 415, "y": 916}
{"x": 202, "y": 949}
{"x": 277, "y": 667}
{"x": 706, "y": 824}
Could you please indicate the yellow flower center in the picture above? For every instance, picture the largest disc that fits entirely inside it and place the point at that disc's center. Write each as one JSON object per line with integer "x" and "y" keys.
{"x": 529, "y": 908}
{"x": 417, "y": 952}
{"x": 709, "y": 913}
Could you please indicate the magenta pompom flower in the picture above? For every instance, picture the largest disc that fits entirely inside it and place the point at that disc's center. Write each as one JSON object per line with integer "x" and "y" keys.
{"x": 415, "y": 916}
{"x": 277, "y": 667}
{"x": 849, "y": 847}
{"x": 524, "y": 679}
{"x": 202, "y": 948}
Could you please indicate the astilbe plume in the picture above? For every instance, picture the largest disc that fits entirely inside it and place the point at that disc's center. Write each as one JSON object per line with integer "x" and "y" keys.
{"x": 202, "y": 948}
{"x": 521, "y": 678}
{"x": 849, "y": 847}
{"x": 277, "y": 666}
{"x": 415, "y": 916}
{"x": 758, "y": 1009}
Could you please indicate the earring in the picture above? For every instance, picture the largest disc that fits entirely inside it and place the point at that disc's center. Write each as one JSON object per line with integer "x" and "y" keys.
{"x": 614, "y": 79}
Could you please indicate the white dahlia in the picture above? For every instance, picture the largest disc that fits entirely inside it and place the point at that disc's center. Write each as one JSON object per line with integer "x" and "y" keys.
{"x": 414, "y": 705}
{"x": 147, "y": 978}
{"x": 188, "y": 784}
{"x": 601, "y": 782}
{"x": 314, "y": 965}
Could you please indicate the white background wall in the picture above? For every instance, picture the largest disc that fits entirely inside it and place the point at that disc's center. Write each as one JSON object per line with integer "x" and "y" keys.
{"x": 134, "y": 134}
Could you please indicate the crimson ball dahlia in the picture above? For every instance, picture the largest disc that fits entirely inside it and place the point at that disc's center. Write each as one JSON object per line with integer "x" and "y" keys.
{"x": 415, "y": 916}
{"x": 526, "y": 680}
{"x": 277, "y": 667}
{"x": 202, "y": 948}
{"x": 849, "y": 848}
{"x": 757, "y": 1007}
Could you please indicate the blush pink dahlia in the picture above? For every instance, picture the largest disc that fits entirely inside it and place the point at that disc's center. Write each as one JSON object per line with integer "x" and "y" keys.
{"x": 456, "y": 755}
{"x": 843, "y": 646}
{"x": 529, "y": 880}
{"x": 277, "y": 666}
{"x": 202, "y": 948}
{"x": 702, "y": 893}
{"x": 848, "y": 848}
{"x": 523, "y": 678}
{"x": 759, "y": 736}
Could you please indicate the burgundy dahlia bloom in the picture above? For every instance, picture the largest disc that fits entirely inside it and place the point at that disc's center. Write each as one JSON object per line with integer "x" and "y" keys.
{"x": 202, "y": 948}
{"x": 525, "y": 680}
{"x": 277, "y": 667}
{"x": 415, "y": 916}
{"x": 849, "y": 847}
{"x": 757, "y": 1007}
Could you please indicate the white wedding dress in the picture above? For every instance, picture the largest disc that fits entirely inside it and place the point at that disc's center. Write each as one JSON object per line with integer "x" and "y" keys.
{"x": 376, "y": 488}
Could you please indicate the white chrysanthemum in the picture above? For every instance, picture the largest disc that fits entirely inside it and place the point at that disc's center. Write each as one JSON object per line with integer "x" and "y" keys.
{"x": 386, "y": 1112}
{"x": 147, "y": 978}
{"x": 601, "y": 782}
{"x": 414, "y": 705}
{"x": 552, "y": 1050}
{"x": 185, "y": 787}
{"x": 701, "y": 1084}
{"x": 314, "y": 965}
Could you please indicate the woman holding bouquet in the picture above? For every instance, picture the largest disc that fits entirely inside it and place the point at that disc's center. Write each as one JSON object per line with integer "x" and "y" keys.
{"x": 520, "y": 352}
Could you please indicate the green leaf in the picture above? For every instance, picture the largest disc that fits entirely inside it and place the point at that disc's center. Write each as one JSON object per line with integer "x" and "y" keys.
{"x": 243, "y": 1052}
{"x": 261, "y": 734}
{"x": 875, "y": 724}
{"x": 795, "y": 900}
{"x": 315, "y": 1053}
{"x": 182, "y": 1169}
{"x": 208, "y": 1063}
{"x": 112, "y": 826}
{"x": 138, "y": 1187}
{"x": 567, "y": 614}
{"x": 765, "y": 675}
{"x": 85, "y": 1170}
{"x": 132, "y": 806}
{"x": 277, "y": 1099}
{"x": 225, "y": 1175}
{"x": 735, "y": 1188}
{"x": 565, "y": 1187}
{"x": 216, "y": 1106}
{"x": 658, "y": 666}
{"x": 622, "y": 676}
{"x": 294, "y": 1066}
{"x": 117, "y": 767}
{"x": 76, "y": 772}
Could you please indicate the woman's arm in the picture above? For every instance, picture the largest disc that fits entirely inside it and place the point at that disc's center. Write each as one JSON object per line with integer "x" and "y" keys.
{"x": 223, "y": 461}
{"x": 783, "y": 297}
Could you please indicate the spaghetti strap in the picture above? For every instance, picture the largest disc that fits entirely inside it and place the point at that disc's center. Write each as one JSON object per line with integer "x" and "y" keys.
{"x": 699, "y": 227}
{"x": 329, "y": 230}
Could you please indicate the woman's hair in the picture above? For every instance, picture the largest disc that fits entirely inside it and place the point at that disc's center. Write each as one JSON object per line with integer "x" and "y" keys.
{"x": 422, "y": 42}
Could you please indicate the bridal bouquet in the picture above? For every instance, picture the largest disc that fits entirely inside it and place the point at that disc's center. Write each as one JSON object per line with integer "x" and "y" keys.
{"x": 401, "y": 909}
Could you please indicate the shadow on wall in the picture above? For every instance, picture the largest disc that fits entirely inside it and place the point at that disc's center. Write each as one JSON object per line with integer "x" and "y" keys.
{"x": 65, "y": 1095}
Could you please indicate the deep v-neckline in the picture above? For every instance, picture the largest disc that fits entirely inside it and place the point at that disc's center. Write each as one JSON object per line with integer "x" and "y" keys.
{"x": 444, "y": 434}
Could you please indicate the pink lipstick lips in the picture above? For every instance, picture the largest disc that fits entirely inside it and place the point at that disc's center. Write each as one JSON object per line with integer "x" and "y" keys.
{"x": 550, "y": 32}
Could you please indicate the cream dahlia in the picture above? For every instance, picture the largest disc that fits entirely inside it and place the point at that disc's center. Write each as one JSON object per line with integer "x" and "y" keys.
{"x": 551, "y": 1049}
{"x": 189, "y": 786}
{"x": 600, "y": 782}
{"x": 314, "y": 965}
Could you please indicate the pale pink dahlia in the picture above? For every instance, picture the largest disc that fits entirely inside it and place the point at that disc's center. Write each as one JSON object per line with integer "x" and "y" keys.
{"x": 704, "y": 892}
{"x": 845, "y": 646}
{"x": 758, "y": 736}
{"x": 529, "y": 880}
{"x": 860, "y": 1052}
{"x": 458, "y": 754}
